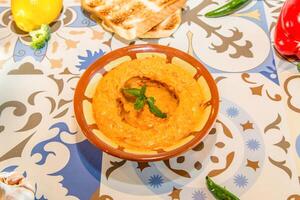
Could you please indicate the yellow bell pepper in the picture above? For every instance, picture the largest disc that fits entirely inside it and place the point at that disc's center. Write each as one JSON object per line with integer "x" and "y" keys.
{"x": 29, "y": 15}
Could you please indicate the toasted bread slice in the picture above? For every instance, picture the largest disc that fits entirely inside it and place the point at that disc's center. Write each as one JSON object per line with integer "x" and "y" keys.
{"x": 132, "y": 18}
{"x": 163, "y": 29}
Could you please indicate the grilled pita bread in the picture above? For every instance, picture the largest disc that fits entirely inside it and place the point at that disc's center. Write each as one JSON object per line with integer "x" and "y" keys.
{"x": 134, "y": 18}
{"x": 163, "y": 29}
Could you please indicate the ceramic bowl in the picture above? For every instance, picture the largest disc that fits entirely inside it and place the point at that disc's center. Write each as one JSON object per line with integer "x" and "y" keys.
{"x": 87, "y": 84}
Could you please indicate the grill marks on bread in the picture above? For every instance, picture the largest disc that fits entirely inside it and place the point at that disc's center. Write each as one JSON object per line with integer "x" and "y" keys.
{"x": 119, "y": 19}
{"x": 133, "y": 18}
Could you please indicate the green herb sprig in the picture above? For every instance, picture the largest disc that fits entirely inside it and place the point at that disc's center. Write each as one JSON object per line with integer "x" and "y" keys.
{"x": 141, "y": 100}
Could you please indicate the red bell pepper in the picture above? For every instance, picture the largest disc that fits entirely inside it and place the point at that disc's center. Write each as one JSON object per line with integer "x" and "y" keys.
{"x": 287, "y": 32}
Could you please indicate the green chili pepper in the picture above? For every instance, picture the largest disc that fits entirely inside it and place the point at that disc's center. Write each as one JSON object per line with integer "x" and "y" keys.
{"x": 220, "y": 193}
{"x": 298, "y": 67}
{"x": 228, "y": 8}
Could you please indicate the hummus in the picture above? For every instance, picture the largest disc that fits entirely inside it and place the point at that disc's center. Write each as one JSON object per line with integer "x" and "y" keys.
{"x": 176, "y": 93}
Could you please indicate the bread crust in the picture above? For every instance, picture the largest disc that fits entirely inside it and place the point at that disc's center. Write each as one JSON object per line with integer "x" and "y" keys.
{"x": 133, "y": 18}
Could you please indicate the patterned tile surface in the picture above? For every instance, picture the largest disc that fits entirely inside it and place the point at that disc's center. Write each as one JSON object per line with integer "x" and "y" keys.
{"x": 254, "y": 148}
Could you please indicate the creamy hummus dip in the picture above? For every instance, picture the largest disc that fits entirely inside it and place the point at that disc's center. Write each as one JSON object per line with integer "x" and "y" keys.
{"x": 176, "y": 93}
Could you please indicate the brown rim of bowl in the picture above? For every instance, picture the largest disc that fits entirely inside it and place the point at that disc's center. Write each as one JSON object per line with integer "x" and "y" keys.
{"x": 131, "y": 51}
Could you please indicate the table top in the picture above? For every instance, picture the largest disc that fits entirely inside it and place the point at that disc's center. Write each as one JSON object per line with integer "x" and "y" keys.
{"x": 253, "y": 149}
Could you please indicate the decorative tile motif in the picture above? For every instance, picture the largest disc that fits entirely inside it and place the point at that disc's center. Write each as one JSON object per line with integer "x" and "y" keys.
{"x": 252, "y": 144}
{"x": 235, "y": 152}
{"x": 67, "y": 32}
{"x": 248, "y": 147}
{"x": 86, "y": 61}
{"x": 47, "y": 148}
{"x": 155, "y": 181}
{"x": 199, "y": 195}
{"x": 232, "y": 112}
{"x": 240, "y": 180}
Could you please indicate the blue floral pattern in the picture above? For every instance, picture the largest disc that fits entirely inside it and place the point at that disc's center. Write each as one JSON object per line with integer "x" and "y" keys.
{"x": 232, "y": 112}
{"x": 155, "y": 181}
{"x": 253, "y": 144}
{"x": 87, "y": 60}
{"x": 199, "y": 195}
{"x": 240, "y": 181}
